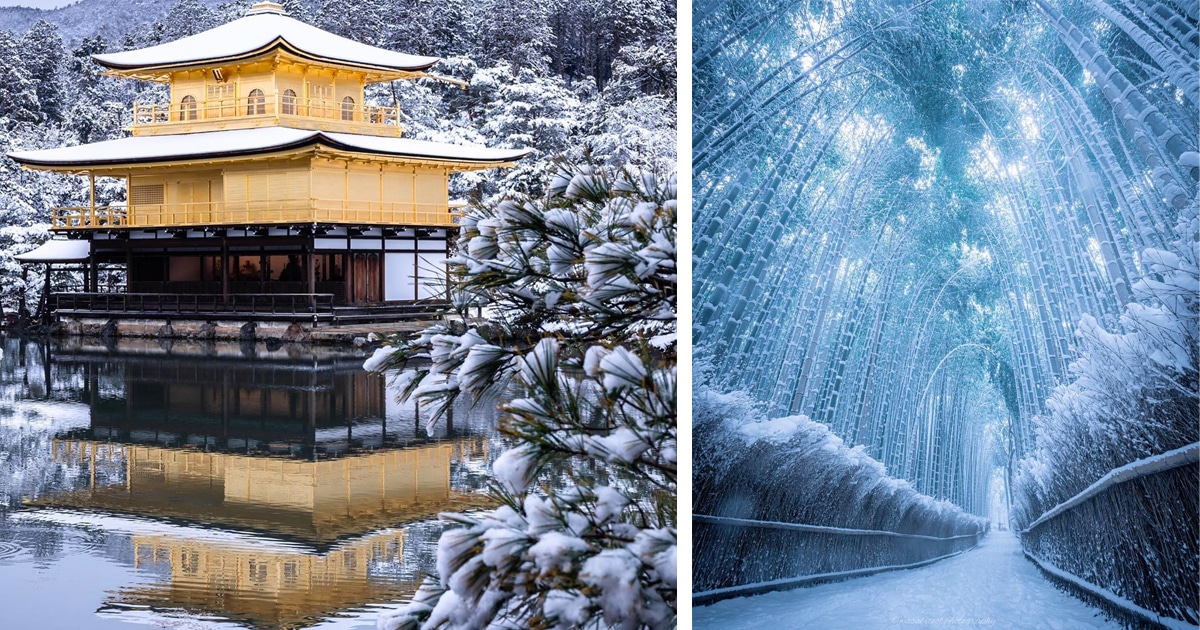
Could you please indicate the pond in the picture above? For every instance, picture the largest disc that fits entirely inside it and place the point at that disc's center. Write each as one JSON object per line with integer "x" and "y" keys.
{"x": 216, "y": 485}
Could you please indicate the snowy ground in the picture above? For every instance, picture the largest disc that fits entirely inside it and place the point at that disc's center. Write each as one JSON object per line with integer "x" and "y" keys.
{"x": 992, "y": 586}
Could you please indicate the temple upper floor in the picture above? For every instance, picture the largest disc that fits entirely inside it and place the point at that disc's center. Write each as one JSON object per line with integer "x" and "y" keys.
{"x": 276, "y": 175}
{"x": 265, "y": 69}
{"x": 275, "y": 91}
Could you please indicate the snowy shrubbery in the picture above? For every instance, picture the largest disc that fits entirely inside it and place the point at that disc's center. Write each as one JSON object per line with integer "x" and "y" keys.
{"x": 740, "y": 458}
{"x": 1134, "y": 395}
{"x": 580, "y": 290}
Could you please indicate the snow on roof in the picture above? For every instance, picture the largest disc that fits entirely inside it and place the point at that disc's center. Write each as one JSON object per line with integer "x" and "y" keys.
{"x": 238, "y": 142}
{"x": 57, "y": 251}
{"x": 264, "y": 27}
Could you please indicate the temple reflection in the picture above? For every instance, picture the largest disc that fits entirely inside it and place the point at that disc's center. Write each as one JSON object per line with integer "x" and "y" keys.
{"x": 316, "y": 503}
{"x": 264, "y": 587}
{"x": 277, "y": 492}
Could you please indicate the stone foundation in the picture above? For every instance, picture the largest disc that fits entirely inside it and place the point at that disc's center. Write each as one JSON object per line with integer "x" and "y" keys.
{"x": 363, "y": 336}
{"x": 231, "y": 330}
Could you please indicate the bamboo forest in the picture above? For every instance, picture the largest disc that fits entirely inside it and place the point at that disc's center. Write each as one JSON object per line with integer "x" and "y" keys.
{"x": 946, "y": 303}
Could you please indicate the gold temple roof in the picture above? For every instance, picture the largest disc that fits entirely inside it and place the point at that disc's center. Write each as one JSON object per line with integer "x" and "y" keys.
{"x": 242, "y": 143}
{"x": 264, "y": 30}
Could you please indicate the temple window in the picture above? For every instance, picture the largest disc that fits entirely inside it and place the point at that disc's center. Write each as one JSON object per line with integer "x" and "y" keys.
{"x": 147, "y": 194}
{"x": 187, "y": 108}
{"x": 256, "y": 103}
{"x": 348, "y": 108}
{"x": 289, "y": 102}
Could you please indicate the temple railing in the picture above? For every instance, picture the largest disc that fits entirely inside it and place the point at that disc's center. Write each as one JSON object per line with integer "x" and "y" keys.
{"x": 266, "y": 110}
{"x": 194, "y": 303}
{"x": 283, "y": 211}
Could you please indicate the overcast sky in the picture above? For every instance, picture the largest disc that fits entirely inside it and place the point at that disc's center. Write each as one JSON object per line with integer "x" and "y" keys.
{"x": 41, "y": 4}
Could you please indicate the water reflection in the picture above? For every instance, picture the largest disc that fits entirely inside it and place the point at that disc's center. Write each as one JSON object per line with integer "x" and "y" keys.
{"x": 268, "y": 588}
{"x": 272, "y": 488}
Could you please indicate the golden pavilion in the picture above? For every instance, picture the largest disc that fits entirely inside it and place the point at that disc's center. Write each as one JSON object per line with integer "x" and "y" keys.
{"x": 265, "y": 188}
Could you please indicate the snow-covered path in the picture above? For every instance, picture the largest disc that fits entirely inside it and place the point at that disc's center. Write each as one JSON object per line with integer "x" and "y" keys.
{"x": 992, "y": 586}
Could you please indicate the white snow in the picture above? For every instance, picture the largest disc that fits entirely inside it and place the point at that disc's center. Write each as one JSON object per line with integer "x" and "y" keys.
{"x": 58, "y": 250}
{"x": 568, "y": 608}
{"x": 258, "y": 33}
{"x": 993, "y": 586}
{"x": 609, "y": 503}
{"x": 556, "y": 551}
{"x": 514, "y": 468}
{"x": 662, "y": 342}
{"x": 378, "y": 357}
{"x": 592, "y": 359}
{"x": 803, "y": 527}
{"x": 622, "y": 369}
{"x": 777, "y": 430}
{"x": 136, "y": 149}
{"x": 614, "y": 572}
{"x": 621, "y": 445}
{"x": 165, "y": 618}
{"x": 423, "y": 148}
{"x": 147, "y": 527}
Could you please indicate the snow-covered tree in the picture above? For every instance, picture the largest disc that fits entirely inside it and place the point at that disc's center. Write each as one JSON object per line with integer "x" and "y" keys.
{"x": 511, "y": 31}
{"x": 524, "y": 109}
{"x": 361, "y": 21}
{"x": 187, "y": 17}
{"x": 42, "y": 54}
{"x": 579, "y": 291}
{"x": 18, "y": 92}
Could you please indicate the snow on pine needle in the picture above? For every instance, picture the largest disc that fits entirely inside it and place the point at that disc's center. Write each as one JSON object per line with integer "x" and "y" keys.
{"x": 579, "y": 292}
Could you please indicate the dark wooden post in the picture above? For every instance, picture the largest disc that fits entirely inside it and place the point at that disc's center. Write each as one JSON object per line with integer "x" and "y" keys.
{"x": 224, "y": 268}
{"x": 351, "y": 294}
{"x": 128, "y": 268}
{"x": 94, "y": 266}
{"x": 381, "y": 271}
{"x": 311, "y": 265}
{"x": 44, "y": 303}
{"x": 22, "y": 307}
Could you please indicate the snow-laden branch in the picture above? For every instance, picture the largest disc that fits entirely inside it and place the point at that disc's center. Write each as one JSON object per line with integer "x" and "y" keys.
{"x": 579, "y": 291}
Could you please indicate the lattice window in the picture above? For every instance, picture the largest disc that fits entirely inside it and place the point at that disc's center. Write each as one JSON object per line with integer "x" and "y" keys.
{"x": 258, "y": 571}
{"x": 147, "y": 195}
{"x": 218, "y": 92}
{"x": 320, "y": 100}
